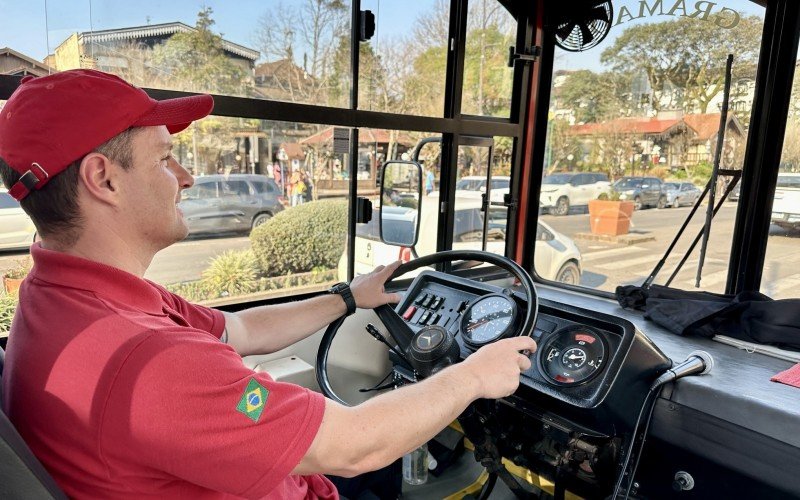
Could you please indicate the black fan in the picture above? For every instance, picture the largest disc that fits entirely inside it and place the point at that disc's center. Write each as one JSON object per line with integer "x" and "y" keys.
{"x": 584, "y": 27}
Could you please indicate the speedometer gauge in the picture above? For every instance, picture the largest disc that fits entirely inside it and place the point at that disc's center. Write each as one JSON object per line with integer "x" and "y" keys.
{"x": 572, "y": 355}
{"x": 489, "y": 318}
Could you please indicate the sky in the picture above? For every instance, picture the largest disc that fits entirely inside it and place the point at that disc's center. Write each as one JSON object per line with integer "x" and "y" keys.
{"x": 24, "y": 26}
{"x": 590, "y": 59}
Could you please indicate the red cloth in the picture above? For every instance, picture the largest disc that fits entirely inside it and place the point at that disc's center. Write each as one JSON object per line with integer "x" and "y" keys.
{"x": 789, "y": 377}
{"x": 123, "y": 390}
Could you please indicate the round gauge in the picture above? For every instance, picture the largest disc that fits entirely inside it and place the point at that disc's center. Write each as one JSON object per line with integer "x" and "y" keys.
{"x": 572, "y": 355}
{"x": 488, "y": 318}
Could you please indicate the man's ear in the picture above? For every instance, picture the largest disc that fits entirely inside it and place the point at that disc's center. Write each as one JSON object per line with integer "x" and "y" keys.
{"x": 100, "y": 177}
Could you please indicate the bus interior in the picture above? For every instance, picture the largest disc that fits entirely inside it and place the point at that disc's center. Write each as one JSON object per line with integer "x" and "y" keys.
{"x": 460, "y": 115}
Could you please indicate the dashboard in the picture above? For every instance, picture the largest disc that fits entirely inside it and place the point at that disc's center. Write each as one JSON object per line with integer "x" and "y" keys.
{"x": 580, "y": 353}
{"x": 577, "y": 404}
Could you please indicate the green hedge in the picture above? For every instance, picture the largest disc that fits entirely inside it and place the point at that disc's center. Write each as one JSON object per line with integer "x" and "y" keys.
{"x": 8, "y": 304}
{"x": 297, "y": 240}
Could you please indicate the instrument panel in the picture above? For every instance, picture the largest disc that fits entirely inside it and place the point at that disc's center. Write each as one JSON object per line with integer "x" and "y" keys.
{"x": 575, "y": 352}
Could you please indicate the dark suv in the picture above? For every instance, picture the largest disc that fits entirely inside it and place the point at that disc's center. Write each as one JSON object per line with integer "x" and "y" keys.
{"x": 227, "y": 203}
{"x": 643, "y": 191}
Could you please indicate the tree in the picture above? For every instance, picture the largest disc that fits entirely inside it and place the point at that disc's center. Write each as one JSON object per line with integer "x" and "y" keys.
{"x": 305, "y": 35}
{"x": 688, "y": 55}
{"x": 595, "y": 97}
{"x": 196, "y": 59}
{"x": 561, "y": 143}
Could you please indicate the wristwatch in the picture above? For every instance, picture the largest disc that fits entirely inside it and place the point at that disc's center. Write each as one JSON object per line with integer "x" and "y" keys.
{"x": 343, "y": 290}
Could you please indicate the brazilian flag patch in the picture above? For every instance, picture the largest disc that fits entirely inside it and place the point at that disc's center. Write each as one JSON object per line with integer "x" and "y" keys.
{"x": 253, "y": 400}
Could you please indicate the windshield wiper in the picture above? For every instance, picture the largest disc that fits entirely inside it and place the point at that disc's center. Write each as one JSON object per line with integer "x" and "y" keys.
{"x": 711, "y": 189}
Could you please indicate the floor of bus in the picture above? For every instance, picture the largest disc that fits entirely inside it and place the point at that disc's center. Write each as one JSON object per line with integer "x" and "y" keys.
{"x": 461, "y": 480}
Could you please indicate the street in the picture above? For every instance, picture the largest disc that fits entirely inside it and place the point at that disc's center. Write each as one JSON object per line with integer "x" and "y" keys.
{"x": 604, "y": 265}
{"x": 182, "y": 261}
{"x": 607, "y": 265}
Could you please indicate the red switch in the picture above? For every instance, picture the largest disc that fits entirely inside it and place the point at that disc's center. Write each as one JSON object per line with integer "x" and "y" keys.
{"x": 409, "y": 313}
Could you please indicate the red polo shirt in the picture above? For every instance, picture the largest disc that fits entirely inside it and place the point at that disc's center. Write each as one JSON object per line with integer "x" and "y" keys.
{"x": 123, "y": 390}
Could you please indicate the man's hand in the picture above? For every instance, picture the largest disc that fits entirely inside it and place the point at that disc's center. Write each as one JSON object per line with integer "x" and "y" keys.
{"x": 496, "y": 367}
{"x": 368, "y": 288}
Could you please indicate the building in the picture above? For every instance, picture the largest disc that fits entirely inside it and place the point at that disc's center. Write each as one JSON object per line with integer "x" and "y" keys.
{"x": 374, "y": 147}
{"x": 670, "y": 139}
{"x": 18, "y": 64}
{"x": 283, "y": 80}
{"x": 109, "y": 50}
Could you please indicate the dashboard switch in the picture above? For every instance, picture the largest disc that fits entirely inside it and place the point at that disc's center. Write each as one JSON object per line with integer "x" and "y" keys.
{"x": 436, "y": 303}
{"x": 409, "y": 313}
{"x": 421, "y": 299}
{"x": 427, "y": 301}
{"x": 423, "y": 320}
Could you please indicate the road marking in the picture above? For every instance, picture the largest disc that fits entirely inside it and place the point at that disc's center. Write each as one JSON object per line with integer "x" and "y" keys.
{"x": 786, "y": 283}
{"x": 622, "y": 264}
{"x": 613, "y": 251}
{"x": 709, "y": 280}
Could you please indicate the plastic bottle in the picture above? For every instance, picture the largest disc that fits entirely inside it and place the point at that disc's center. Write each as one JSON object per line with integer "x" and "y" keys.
{"x": 415, "y": 466}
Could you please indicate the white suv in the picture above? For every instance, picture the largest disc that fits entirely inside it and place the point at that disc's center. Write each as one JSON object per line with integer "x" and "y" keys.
{"x": 556, "y": 258}
{"x": 564, "y": 190}
{"x": 786, "y": 204}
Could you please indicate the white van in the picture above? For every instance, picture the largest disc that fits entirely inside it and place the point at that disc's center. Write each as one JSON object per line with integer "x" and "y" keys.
{"x": 786, "y": 204}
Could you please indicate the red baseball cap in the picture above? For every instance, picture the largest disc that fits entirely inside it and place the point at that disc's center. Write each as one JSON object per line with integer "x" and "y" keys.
{"x": 51, "y": 121}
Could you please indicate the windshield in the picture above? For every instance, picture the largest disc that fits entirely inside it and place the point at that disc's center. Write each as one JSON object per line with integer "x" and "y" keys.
{"x": 641, "y": 107}
{"x": 628, "y": 183}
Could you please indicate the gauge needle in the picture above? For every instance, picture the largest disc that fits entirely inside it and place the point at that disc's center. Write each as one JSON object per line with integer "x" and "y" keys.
{"x": 475, "y": 325}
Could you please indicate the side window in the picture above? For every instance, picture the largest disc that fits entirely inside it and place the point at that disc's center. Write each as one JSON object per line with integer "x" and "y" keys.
{"x": 468, "y": 225}
{"x": 264, "y": 187}
{"x": 236, "y": 188}
{"x": 206, "y": 190}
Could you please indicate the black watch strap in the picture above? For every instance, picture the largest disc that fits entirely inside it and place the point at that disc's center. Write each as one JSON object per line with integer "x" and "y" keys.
{"x": 343, "y": 290}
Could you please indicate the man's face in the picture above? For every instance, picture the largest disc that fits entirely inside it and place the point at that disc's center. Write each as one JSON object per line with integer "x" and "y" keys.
{"x": 152, "y": 190}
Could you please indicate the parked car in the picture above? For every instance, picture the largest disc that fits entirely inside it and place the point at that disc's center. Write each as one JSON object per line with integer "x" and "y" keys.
{"x": 478, "y": 183}
{"x": 681, "y": 193}
{"x": 786, "y": 203}
{"x": 230, "y": 203}
{"x": 643, "y": 191}
{"x": 557, "y": 258}
{"x": 562, "y": 191}
{"x": 737, "y": 189}
{"x": 17, "y": 231}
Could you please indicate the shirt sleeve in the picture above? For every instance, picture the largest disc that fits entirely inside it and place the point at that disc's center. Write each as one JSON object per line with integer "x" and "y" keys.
{"x": 200, "y": 317}
{"x": 184, "y": 404}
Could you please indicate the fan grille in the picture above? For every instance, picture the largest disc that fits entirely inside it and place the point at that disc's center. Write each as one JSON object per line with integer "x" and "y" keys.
{"x": 586, "y": 29}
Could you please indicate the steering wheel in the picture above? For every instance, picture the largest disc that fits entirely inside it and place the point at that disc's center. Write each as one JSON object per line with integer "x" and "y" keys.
{"x": 400, "y": 331}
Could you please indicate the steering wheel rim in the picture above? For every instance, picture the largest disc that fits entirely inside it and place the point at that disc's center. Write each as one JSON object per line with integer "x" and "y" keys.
{"x": 388, "y": 314}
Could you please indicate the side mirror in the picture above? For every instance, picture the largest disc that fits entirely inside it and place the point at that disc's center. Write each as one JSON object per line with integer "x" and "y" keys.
{"x": 401, "y": 198}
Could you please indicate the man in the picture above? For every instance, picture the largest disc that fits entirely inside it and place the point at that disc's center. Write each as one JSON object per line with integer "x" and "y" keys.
{"x": 124, "y": 390}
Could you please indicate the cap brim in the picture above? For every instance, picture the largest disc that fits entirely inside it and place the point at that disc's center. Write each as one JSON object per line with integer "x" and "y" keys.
{"x": 178, "y": 113}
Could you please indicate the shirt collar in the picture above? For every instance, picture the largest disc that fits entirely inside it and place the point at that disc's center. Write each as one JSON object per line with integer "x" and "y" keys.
{"x": 109, "y": 282}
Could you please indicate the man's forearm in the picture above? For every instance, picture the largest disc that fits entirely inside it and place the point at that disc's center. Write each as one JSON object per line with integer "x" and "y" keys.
{"x": 392, "y": 424}
{"x": 266, "y": 329}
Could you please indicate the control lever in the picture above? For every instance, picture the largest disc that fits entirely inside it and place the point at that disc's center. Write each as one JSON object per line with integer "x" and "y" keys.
{"x": 377, "y": 336}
